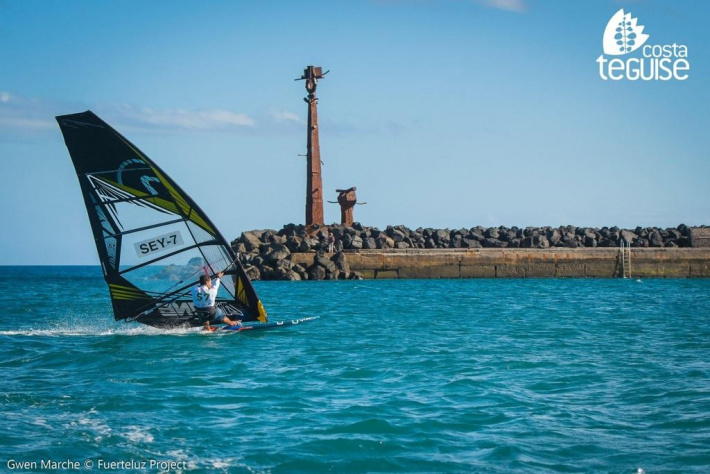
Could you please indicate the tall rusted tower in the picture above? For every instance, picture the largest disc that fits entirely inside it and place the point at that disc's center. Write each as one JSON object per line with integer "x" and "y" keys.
{"x": 314, "y": 181}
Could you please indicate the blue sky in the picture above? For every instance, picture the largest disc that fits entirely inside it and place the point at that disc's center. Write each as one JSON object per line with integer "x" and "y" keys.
{"x": 443, "y": 113}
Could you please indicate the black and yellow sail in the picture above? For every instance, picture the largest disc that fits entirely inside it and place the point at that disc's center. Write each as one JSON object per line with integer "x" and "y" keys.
{"x": 153, "y": 241}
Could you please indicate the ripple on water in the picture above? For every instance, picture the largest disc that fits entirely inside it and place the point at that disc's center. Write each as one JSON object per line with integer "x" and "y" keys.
{"x": 396, "y": 376}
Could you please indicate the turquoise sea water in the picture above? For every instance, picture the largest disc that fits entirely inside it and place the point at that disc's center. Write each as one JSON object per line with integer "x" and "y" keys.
{"x": 396, "y": 376}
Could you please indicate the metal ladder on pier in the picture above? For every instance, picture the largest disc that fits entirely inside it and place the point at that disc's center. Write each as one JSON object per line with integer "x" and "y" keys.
{"x": 625, "y": 259}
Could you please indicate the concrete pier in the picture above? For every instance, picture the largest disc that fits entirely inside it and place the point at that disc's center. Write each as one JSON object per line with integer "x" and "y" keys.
{"x": 523, "y": 263}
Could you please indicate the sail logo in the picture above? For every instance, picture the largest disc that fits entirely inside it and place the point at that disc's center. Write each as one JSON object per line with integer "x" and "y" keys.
{"x": 623, "y": 36}
{"x": 180, "y": 308}
{"x": 158, "y": 244}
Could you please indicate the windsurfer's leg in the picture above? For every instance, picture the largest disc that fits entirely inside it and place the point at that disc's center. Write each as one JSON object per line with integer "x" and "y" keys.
{"x": 219, "y": 317}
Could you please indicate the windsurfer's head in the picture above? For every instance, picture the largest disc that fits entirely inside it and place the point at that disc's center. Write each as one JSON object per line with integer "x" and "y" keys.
{"x": 204, "y": 280}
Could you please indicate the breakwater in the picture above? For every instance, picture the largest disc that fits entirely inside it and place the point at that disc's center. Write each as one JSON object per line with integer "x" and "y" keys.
{"x": 517, "y": 263}
{"x": 295, "y": 253}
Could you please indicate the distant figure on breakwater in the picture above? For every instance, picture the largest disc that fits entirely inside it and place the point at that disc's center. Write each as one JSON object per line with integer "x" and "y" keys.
{"x": 331, "y": 242}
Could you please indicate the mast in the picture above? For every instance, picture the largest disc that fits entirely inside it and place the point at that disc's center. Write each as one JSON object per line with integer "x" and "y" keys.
{"x": 314, "y": 180}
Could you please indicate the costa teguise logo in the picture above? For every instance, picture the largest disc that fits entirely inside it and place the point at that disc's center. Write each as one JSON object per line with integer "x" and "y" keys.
{"x": 623, "y": 36}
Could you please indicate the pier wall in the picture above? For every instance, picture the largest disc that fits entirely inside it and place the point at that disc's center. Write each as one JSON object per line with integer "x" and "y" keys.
{"x": 523, "y": 263}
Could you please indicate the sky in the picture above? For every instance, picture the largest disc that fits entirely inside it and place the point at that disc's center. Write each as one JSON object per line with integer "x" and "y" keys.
{"x": 443, "y": 113}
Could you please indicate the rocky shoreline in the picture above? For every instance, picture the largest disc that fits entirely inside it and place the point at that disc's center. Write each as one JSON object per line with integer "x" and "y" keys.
{"x": 266, "y": 254}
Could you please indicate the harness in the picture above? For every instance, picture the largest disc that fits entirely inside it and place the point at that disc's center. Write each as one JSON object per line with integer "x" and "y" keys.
{"x": 207, "y": 313}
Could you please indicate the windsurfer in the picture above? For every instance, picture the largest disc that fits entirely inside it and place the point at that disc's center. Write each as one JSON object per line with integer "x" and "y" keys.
{"x": 204, "y": 295}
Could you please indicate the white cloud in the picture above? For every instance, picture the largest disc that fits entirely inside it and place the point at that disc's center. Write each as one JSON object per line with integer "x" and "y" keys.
{"x": 30, "y": 115}
{"x": 286, "y": 116}
{"x": 508, "y": 5}
{"x": 26, "y": 124}
{"x": 179, "y": 119}
{"x": 25, "y": 116}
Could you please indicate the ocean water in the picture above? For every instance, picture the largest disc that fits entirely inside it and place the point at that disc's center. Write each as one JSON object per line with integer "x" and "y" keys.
{"x": 396, "y": 376}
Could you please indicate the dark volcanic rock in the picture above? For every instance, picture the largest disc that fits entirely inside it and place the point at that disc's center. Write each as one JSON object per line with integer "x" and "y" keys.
{"x": 474, "y": 244}
{"x": 493, "y": 243}
{"x": 492, "y": 233}
{"x": 268, "y": 272}
{"x": 325, "y": 262}
{"x": 441, "y": 237}
{"x": 252, "y": 240}
{"x": 316, "y": 272}
{"x": 628, "y": 236}
{"x": 266, "y": 254}
{"x": 274, "y": 252}
{"x": 655, "y": 239}
{"x": 605, "y": 242}
{"x": 369, "y": 243}
{"x": 253, "y": 272}
{"x": 541, "y": 242}
{"x": 297, "y": 244}
{"x": 356, "y": 243}
{"x": 341, "y": 263}
{"x": 476, "y": 233}
{"x": 554, "y": 236}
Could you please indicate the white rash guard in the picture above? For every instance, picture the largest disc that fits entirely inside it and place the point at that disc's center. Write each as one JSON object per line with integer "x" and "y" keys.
{"x": 203, "y": 297}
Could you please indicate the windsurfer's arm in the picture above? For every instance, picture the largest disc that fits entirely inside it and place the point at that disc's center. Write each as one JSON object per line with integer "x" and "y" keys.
{"x": 217, "y": 281}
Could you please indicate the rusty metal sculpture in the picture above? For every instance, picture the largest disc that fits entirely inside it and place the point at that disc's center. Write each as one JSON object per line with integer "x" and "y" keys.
{"x": 314, "y": 181}
{"x": 347, "y": 200}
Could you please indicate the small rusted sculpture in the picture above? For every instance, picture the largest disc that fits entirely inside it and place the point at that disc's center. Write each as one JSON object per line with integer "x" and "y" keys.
{"x": 347, "y": 200}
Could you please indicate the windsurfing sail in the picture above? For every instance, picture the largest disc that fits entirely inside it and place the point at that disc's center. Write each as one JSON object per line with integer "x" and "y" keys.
{"x": 153, "y": 241}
